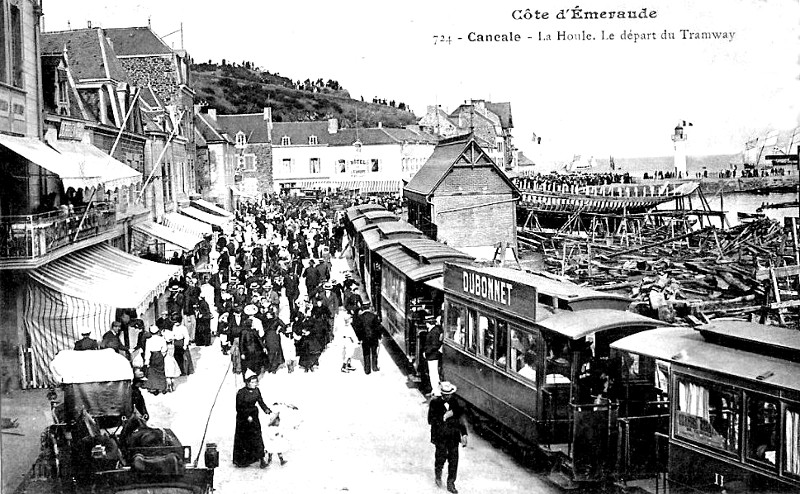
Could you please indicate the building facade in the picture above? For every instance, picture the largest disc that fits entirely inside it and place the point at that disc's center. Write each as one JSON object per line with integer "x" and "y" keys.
{"x": 490, "y": 124}
{"x": 252, "y": 137}
{"x": 216, "y": 157}
{"x": 321, "y": 155}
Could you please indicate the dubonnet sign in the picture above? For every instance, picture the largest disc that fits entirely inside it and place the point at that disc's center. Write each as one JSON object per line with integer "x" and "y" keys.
{"x": 501, "y": 294}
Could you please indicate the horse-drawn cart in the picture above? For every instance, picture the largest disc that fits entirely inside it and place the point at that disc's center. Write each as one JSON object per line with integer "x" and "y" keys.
{"x": 99, "y": 444}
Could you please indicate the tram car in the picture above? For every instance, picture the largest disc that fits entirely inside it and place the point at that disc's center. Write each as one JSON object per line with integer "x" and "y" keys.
{"x": 734, "y": 405}
{"x": 531, "y": 353}
{"x": 98, "y": 444}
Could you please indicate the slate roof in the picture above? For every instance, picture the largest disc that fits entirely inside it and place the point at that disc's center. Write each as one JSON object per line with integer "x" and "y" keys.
{"x": 299, "y": 132}
{"x": 252, "y": 124}
{"x": 131, "y": 41}
{"x": 85, "y": 49}
{"x": 431, "y": 173}
{"x": 209, "y": 129}
{"x": 443, "y": 159}
{"x": 524, "y": 160}
{"x": 502, "y": 110}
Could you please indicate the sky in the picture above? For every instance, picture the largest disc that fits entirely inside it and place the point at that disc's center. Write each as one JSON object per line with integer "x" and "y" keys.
{"x": 598, "y": 97}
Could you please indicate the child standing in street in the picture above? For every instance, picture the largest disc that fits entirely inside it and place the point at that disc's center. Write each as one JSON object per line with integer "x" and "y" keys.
{"x": 283, "y": 420}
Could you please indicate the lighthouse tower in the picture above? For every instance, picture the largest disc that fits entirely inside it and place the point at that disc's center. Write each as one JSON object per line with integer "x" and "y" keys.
{"x": 679, "y": 142}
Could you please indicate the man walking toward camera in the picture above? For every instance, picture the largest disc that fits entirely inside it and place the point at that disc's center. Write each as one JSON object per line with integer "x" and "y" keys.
{"x": 448, "y": 430}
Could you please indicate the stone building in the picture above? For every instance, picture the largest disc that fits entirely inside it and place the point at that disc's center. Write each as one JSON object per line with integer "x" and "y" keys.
{"x": 252, "y": 135}
{"x": 461, "y": 197}
{"x": 490, "y": 124}
{"x": 163, "y": 77}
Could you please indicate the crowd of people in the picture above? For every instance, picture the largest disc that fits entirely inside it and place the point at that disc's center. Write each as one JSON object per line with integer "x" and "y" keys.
{"x": 556, "y": 181}
{"x": 245, "y": 296}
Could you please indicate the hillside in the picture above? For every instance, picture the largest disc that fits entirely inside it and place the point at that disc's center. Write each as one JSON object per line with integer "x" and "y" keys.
{"x": 241, "y": 89}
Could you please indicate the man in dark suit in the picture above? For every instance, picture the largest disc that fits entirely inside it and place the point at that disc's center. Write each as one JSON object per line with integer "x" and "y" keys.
{"x": 448, "y": 429}
{"x": 111, "y": 339}
{"x": 368, "y": 331}
{"x": 311, "y": 275}
{"x": 86, "y": 342}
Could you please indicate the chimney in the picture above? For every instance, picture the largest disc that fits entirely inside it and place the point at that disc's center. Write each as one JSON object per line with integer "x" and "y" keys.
{"x": 333, "y": 126}
{"x": 380, "y": 125}
{"x": 212, "y": 113}
{"x": 268, "y": 119}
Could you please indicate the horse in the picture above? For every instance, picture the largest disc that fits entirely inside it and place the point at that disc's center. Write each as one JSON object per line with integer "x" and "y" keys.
{"x": 150, "y": 449}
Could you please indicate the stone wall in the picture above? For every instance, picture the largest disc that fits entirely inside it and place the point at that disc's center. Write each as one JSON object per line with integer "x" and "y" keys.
{"x": 263, "y": 171}
{"x": 157, "y": 71}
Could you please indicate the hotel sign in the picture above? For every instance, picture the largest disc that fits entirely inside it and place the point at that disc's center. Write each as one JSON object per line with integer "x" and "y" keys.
{"x": 489, "y": 290}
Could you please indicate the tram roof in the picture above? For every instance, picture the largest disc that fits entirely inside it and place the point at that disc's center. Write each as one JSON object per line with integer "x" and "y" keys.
{"x": 686, "y": 347}
{"x": 366, "y": 223}
{"x": 578, "y": 297}
{"x": 421, "y": 258}
{"x": 377, "y": 238}
{"x": 578, "y": 324}
{"x": 358, "y": 211}
{"x": 738, "y": 333}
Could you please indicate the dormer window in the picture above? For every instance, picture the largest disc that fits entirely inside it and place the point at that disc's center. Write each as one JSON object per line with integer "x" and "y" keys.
{"x": 241, "y": 139}
{"x": 357, "y": 145}
{"x": 286, "y": 141}
{"x": 312, "y": 140}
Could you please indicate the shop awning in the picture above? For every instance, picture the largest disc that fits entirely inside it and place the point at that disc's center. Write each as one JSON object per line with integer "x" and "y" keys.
{"x": 104, "y": 275}
{"x": 212, "y": 208}
{"x": 363, "y": 186}
{"x": 94, "y": 167}
{"x": 184, "y": 240}
{"x": 185, "y": 224}
{"x": 211, "y": 219}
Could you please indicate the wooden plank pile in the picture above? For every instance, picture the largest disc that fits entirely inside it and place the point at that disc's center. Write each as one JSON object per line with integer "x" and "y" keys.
{"x": 702, "y": 273}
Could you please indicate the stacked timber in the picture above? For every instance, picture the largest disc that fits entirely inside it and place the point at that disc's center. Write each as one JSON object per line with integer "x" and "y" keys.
{"x": 694, "y": 276}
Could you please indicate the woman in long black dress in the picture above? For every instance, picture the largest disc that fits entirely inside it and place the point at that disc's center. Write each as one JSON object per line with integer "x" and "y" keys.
{"x": 202, "y": 335}
{"x": 248, "y": 444}
{"x": 272, "y": 341}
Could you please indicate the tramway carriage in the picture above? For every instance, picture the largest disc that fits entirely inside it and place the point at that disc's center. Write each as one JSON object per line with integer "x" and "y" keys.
{"x": 99, "y": 444}
{"x": 530, "y": 353}
{"x": 734, "y": 403}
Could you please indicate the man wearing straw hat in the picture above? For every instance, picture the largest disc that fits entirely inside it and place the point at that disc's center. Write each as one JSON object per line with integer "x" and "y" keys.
{"x": 448, "y": 429}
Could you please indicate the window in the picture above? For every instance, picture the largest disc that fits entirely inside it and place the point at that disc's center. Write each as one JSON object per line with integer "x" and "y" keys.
{"x": 286, "y": 141}
{"x": 524, "y": 359}
{"x": 791, "y": 420}
{"x": 286, "y": 165}
{"x": 313, "y": 165}
{"x": 485, "y": 336}
{"x": 500, "y": 147}
{"x": 341, "y": 166}
{"x": 249, "y": 163}
{"x": 708, "y": 415}
{"x": 501, "y": 344}
{"x": 762, "y": 429}
{"x": 472, "y": 330}
{"x": 558, "y": 366}
{"x": 456, "y": 327}
{"x": 16, "y": 46}
{"x": 241, "y": 140}
{"x": 313, "y": 141}
{"x": 375, "y": 165}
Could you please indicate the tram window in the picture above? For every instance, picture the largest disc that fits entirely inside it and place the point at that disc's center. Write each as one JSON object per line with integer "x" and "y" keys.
{"x": 708, "y": 415}
{"x": 457, "y": 324}
{"x": 791, "y": 421}
{"x": 485, "y": 337}
{"x": 501, "y": 344}
{"x": 523, "y": 354}
{"x": 472, "y": 330}
{"x": 559, "y": 360}
{"x": 762, "y": 429}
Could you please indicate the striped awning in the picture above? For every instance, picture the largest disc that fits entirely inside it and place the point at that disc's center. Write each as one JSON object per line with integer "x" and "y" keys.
{"x": 212, "y": 208}
{"x": 184, "y": 240}
{"x": 104, "y": 275}
{"x": 77, "y": 164}
{"x": 212, "y": 219}
{"x": 363, "y": 186}
{"x": 185, "y": 224}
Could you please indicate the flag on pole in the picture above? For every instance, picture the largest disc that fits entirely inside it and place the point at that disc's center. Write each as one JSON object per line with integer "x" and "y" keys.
{"x": 750, "y": 144}
{"x": 536, "y": 139}
{"x": 771, "y": 139}
{"x": 685, "y": 124}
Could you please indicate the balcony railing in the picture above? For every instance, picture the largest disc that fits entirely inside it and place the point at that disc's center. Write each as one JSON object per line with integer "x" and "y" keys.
{"x": 32, "y": 236}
